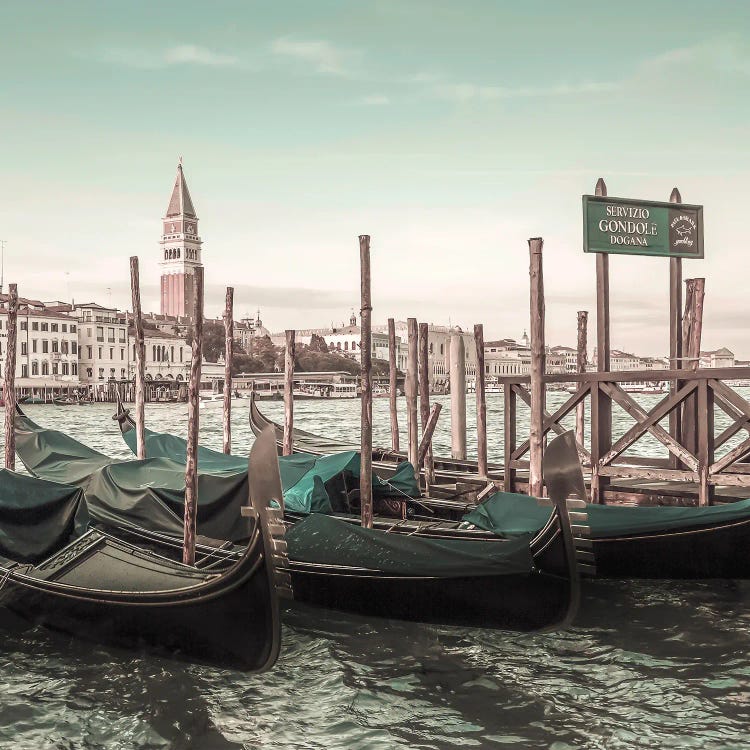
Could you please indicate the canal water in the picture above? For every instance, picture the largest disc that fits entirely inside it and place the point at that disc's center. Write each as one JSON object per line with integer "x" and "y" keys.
{"x": 647, "y": 665}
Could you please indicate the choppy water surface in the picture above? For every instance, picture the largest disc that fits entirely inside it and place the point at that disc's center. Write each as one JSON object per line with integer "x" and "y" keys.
{"x": 662, "y": 665}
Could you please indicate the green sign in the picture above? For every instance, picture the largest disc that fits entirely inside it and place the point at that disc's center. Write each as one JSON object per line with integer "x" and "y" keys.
{"x": 632, "y": 227}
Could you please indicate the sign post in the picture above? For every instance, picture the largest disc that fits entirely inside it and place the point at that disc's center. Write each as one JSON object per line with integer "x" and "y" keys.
{"x": 631, "y": 227}
{"x": 624, "y": 226}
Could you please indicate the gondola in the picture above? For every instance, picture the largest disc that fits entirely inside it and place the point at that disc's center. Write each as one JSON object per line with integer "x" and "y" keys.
{"x": 457, "y": 577}
{"x": 446, "y": 469}
{"x": 97, "y": 585}
{"x": 627, "y": 541}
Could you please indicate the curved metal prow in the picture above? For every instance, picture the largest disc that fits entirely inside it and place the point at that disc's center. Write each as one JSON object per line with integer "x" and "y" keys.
{"x": 264, "y": 482}
{"x": 563, "y": 478}
{"x": 122, "y": 416}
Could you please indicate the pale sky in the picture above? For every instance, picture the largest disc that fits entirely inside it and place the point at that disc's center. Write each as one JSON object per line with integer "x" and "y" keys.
{"x": 450, "y": 132}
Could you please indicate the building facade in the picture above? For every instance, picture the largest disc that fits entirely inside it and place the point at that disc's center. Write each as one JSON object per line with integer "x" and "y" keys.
{"x": 180, "y": 251}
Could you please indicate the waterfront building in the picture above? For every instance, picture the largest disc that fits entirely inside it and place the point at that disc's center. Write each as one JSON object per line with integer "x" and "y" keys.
{"x": 167, "y": 355}
{"x": 506, "y": 357}
{"x": 104, "y": 353}
{"x": 247, "y": 330}
{"x": 717, "y": 358}
{"x": 46, "y": 347}
{"x": 180, "y": 251}
{"x": 568, "y": 355}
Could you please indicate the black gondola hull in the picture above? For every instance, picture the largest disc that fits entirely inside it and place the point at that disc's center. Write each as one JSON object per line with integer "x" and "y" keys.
{"x": 509, "y": 602}
{"x": 234, "y": 630}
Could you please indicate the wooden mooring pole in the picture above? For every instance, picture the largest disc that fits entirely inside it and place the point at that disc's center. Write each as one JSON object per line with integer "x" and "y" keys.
{"x": 411, "y": 394}
{"x": 140, "y": 357}
{"x": 9, "y": 382}
{"x": 365, "y": 474}
{"x": 692, "y": 327}
{"x": 289, "y": 393}
{"x": 675, "y": 337}
{"x": 424, "y": 402}
{"x": 428, "y": 431}
{"x": 191, "y": 462}
{"x": 538, "y": 361}
{"x": 393, "y": 384}
{"x": 228, "y": 360}
{"x": 601, "y": 404}
{"x": 458, "y": 396}
{"x": 581, "y": 356}
{"x": 480, "y": 388}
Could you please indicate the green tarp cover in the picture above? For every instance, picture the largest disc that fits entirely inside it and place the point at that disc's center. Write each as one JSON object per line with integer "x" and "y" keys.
{"x": 147, "y": 493}
{"x": 303, "y": 476}
{"x": 510, "y": 514}
{"x": 37, "y": 518}
{"x": 327, "y": 540}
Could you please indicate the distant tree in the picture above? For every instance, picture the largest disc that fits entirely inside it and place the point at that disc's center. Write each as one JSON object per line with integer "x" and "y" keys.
{"x": 317, "y": 344}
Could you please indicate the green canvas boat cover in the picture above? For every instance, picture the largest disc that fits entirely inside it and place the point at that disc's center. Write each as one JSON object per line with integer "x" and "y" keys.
{"x": 508, "y": 514}
{"x": 326, "y": 540}
{"x": 37, "y": 518}
{"x": 303, "y": 477}
{"x": 148, "y": 493}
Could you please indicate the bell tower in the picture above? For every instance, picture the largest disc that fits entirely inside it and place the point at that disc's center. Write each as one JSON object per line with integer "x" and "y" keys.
{"x": 180, "y": 251}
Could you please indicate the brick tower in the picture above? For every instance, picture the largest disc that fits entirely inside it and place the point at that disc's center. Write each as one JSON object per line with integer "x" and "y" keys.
{"x": 180, "y": 251}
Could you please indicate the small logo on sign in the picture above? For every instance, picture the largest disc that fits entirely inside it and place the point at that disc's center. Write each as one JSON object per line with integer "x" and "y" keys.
{"x": 683, "y": 226}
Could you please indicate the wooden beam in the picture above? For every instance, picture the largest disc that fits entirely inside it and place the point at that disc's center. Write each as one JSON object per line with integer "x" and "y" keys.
{"x": 140, "y": 363}
{"x": 581, "y": 357}
{"x": 675, "y": 330}
{"x": 481, "y": 399}
{"x": 509, "y": 436}
{"x": 657, "y": 475}
{"x": 191, "y": 459}
{"x": 289, "y": 354}
{"x": 228, "y": 361}
{"x": 705, "y": 452}
{"x": 458, "y": 396}
{"x": 393, "y": 384}
{"x": 9, "y": 381}
{"x": 411, "y": 394}
{"x": 426, "y": 462}
{"x": 538, "y": 362}
{"x": 429, "y": 429}
{"x": 365, "y": 474}
{"x": 601, "y": 406}
{"x": 552, "y": 421}
{"x": 649, "y": 423}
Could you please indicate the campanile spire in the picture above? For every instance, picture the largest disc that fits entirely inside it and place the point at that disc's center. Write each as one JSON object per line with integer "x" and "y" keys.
{"x": 180, "y": 250}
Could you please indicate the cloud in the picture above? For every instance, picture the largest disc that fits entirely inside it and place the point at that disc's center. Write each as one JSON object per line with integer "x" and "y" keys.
{"x": 374, "y": 100}
{"x": 462, "y": 92}
{"x": 322, "y": 55}
{"x": 181, "y": 54}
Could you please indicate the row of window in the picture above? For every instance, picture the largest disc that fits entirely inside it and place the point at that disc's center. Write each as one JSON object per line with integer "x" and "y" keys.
{"x": 53, "y": 327}
{"x": 62, "y": 347}
{"x": 62, "y": 368}
{"x": 110, "y": 334}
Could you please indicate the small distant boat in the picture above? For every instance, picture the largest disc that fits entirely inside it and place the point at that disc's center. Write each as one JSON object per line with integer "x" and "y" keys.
{"x": 645, "y": 388}
{"x": 208, "y": 399}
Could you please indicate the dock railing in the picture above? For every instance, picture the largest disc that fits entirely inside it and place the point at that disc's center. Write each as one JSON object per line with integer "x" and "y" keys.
{"x": 693, "y": 393}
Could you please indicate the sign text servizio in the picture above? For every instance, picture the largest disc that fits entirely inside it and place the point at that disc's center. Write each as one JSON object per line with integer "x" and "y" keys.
{"x": 632, "y": 227}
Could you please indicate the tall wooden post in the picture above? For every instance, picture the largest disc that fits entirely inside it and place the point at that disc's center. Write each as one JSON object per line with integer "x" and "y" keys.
{"x": 411, "y": 394}
{"x": 601, "y": 404}
{"x": 289, "y": 393}
{"x": 675, "y": 336}
{"x": 424, "y": 400}
{"x": 393, "y": 384}
{"x": 538, "y": 362}
{"x": 581, "y": 356}
{"x": 458, "y": 396}
{"x": 365, "y": 473}
{"x": 140, "y": 360}
{"x": 228, "y": 359}
{"x": 191, "y": 462}
{"x": 480, "y": 389}
{"x": 692, "y": 327}
{"x": 9, "y": 383}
